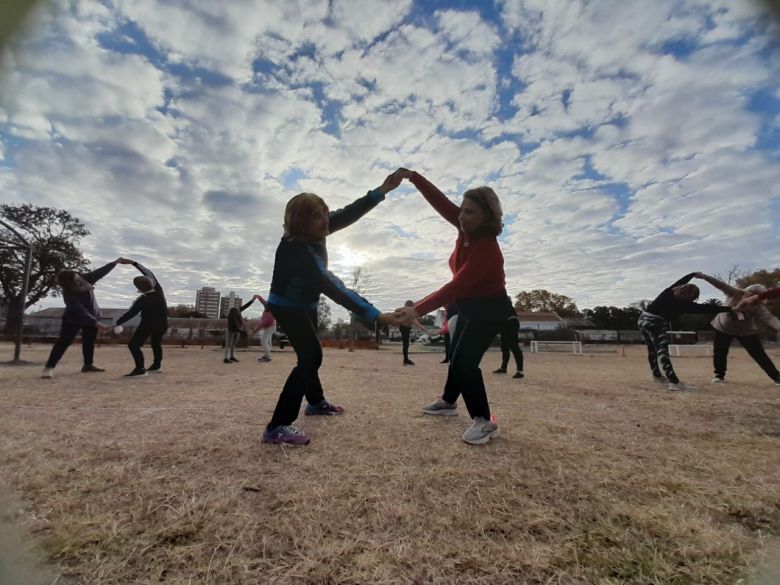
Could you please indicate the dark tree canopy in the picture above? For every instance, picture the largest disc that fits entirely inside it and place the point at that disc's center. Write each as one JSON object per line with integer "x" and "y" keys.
{"x": 54, "y": 235}
{"x": 543, "y": 300}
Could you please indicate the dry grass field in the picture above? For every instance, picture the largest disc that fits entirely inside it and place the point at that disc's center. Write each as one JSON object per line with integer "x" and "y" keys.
{"x": 599, "y": 476}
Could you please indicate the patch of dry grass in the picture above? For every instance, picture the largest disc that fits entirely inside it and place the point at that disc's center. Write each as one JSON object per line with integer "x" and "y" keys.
{"x": 598, "y": 476}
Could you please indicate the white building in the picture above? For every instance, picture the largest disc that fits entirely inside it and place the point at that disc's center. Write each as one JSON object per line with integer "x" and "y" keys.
{"x": 539, "y": 321}
{"x": 228, "y": 302}
{"x": 207, "y": 302}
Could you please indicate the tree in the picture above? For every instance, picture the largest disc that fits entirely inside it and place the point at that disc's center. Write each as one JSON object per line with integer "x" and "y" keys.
{"x": 613, "y": 318}
{"x": 763, "y": 276}
{"x": 185, "y": 311}
{"x": 54, "y": 235}
{"x": 323, "y": 314}
{"x": 543, "y": 300}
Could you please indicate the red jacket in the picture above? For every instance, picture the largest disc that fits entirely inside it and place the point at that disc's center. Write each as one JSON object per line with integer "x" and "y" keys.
{"x": 477, "y": 263}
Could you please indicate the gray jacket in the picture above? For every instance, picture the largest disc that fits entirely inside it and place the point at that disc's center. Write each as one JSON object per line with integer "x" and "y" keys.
{"x": 729, "y": 323}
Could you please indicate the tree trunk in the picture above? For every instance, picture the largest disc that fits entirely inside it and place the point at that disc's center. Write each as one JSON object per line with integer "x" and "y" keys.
{"x": 12, "y": 318}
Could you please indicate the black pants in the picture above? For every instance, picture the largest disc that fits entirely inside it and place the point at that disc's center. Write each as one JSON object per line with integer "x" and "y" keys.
{"x": 405, "y": 331}
{"x": 470, "y": 341}
{"x": 300, "y": 326}
{"x": 510, "y": 342}
{"x": 68, "y": 332}
{"x": 142, "y": 333}
{"x": 447, "y": 346}
{"x": 752, "y": 345}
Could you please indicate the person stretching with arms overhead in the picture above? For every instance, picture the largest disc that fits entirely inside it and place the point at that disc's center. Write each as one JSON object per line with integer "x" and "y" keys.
{"x": 300, "y": 275}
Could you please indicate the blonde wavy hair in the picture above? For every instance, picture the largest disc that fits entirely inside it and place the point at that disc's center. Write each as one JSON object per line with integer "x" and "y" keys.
{"x": 299, "y": 209}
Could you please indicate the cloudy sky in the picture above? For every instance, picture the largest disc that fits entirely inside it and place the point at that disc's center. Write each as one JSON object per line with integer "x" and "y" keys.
{"x": 629, "y": 142}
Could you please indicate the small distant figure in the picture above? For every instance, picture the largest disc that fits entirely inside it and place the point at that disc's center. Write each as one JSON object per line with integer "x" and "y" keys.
{"x": 267, "y": 328}
{"x": 405, "y": 334}
{"x": 154, "y": 320}
{"x": 510, "y": 342}
{"x": 235, "y": 327}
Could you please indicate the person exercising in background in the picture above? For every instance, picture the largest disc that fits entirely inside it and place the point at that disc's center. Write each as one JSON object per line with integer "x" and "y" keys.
{"x": 154, "y": 320}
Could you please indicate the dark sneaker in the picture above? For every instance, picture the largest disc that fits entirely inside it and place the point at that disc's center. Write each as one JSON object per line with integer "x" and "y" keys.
{"x": 324, "y": 408}
{"x": 441, "y": 408}
{"x": 155, "y": 368}
{"x": 91, "y": 368}
{"x": 233, "y": 359}
{"x": 264, "y": 359}
{"x": 777, "y": 381}
{"x": 136, "y": 372}
{"x": 226, "y": 361}
{"x": 408, "y": 363}
{"x": 444, "y": 361}
{"x": 285, "y": 435}
{"x": 481, "y": 431}
{"x": 499, "y": 371}
{"x": 519, "y": 375}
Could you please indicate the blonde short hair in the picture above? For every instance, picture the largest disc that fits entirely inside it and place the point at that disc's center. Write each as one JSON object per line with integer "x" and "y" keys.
{"x": 299, "y": 209}
{"x": 488, "y": 201}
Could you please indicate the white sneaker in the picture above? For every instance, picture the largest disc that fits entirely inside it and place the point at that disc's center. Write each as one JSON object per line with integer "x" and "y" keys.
{"x": 441, "y": 408}
{"x": 481, "y": 431}
{"x": 680, "y": 387}
{"x": 47, "y": 373}
{"x": 718, "y": 380}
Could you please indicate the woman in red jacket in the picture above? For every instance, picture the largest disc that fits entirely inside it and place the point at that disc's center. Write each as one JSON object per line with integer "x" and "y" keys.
{"x": 479, "y": 291}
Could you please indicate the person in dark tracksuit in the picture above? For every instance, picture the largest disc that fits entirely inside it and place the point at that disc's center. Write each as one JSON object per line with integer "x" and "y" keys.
{"x": 235, "y": 327}
{"x": 154, "y": 320}
{"x": 478, "y": 290}
{"x": 653, "y": 323}
{"x": 511, "y": 343}
{"x": 300, "y": 275}
{"x": 82, "y": 313}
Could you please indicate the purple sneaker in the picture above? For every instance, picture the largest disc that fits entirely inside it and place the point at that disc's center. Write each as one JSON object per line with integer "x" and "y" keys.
{"x": 285, "y": 434}
{"x": 323, "y": 408}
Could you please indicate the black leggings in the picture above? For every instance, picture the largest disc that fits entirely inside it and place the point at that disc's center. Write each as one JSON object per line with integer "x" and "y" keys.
{"x": 510, "y": 342}
{"x": 470, "y": 341}
{"x": 752, "y": 345}
{"x": 405, "y": 331}
{"x": 139, "y": 338}
{"x": 300, "y": 326}
{"x": 68, "y": 332}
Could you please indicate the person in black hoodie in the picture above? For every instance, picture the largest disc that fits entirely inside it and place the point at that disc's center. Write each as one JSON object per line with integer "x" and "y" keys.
{"x": 653, "y": 324}
{"x": 82, "y": 313}
{"x": 154, "y": 320}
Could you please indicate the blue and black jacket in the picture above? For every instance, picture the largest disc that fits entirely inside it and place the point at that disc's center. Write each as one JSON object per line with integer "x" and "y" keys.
{"x": 301, "y": 267}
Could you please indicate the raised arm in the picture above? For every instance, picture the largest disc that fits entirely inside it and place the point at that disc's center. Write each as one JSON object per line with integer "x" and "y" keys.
{"x": 348, "y": 215}
{"x": 147, "y": 273}
{"x": 247, "y": 305}
{"x": 726, "y": 289}
{"x": 95, "y": 275}
{"x": 438, "y": 200}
